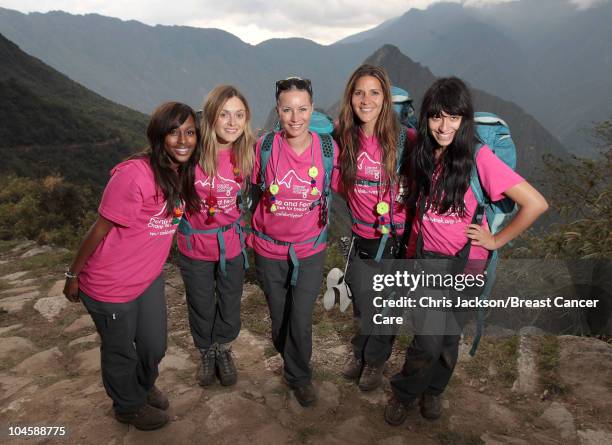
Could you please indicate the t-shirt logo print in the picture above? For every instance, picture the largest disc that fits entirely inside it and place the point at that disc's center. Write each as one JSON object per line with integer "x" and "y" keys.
{"x": 368, "y": 166}
{"x": 224, "y": 190}
{"x": 161, "y": 223}
{"x": 296, "y": 184}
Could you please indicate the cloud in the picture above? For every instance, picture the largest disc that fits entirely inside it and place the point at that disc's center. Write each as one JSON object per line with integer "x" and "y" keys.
{"x": 253, "y": 20}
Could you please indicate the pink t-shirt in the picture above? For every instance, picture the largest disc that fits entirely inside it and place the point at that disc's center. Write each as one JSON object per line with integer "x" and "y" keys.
{"x": 363, "y": 199}
{"x": 132, "y": 254}
{"x": 445, "y": 233}
{"x": 293, "y": 221}
{"x": 225, "y": 188}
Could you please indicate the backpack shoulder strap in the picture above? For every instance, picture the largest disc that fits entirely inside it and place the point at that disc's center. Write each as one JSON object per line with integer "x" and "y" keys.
{"x": 264, "y": 157}
{"x": 401, "y": 144}
{"x": 327, "y": 149}
{"x": 475, "y": 179}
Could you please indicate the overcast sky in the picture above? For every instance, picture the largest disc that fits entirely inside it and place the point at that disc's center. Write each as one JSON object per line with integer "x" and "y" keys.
{"x": 251, "y": 20}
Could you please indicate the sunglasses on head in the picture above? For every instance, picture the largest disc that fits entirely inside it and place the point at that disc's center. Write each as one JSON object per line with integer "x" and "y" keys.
{"x": 290, "y": 82}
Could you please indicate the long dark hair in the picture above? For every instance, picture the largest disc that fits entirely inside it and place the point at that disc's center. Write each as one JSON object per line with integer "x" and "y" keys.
{"x": 451, "y": 96}
{"x": 173, "y": 184}
{"x": 386, "y": 129}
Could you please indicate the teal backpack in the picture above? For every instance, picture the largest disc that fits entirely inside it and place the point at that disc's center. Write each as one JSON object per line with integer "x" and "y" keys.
{"x": 495, "y": 133}
{"x": 402, "y": 104}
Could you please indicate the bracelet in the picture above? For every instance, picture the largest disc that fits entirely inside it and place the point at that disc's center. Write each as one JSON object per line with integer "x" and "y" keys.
{"x": 70, "y": 275}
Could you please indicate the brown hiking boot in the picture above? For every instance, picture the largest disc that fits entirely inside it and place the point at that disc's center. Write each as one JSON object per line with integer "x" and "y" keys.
{"x": 352, "y": 369}
{"x": 396, "y": 411}
{"x": 305, "y": 394}
{"x": 206, "y": 371}
{"x": 371, "y": 377}
{"x": 157, "y": 399}
{"x": 225, "y": 366}
{"x": 146, "y": 418}
{"x": 431, "y": 406}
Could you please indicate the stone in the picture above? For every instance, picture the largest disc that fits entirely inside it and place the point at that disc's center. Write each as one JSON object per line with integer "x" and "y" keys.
{"x": 23, "y": 245}
{"x": 176, "y": 358}
{"x": 12, "y": 384}
{"x": 592, "y": 437}
{"x": 355, "y": 430}
{"x": 50, "y": 307}
{"x": 57, "y": 290}
{"x": 42, "y": 364}
{"x": 527, "y": 378}
{"x": 272, "y": 434}
{"x": 83, "y": 322}
{"x": 36, "y": 251}
{"x": 11, "y": 346}
{"x": 17, "y": 302}
{"x": 89, "y": 361}
{"x": 10, "y": 328}
{"x": 18, "y": 290}
{"x": 227, "y": 413}
{"x": 328, "y": 395}
{"x": 14, "y": 276}
{"x": 499, "y": 439}
{"x": 376, "y": 397}
{"x": 558, "y": 416}
{"x": 91, "y": 338}
{"x": 394, "y": 440}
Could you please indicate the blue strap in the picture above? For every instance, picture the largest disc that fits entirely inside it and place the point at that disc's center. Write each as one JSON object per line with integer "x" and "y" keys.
{"x": 186, "y": 229}
{"x": 295, "y": 263}
{"x": 265, "y": 152}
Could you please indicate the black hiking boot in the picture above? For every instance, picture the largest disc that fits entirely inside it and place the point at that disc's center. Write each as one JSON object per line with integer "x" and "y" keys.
{"x": 206, "y": 371}
{"x": 228, "y": 375}
{"x": 157, "y": 399}
{"x": 305, "y": 394}
{"x": 396, "y": 411}
{"x": 146, "y": 418}
{"x": 371, "y": 377}
{"x": 352, "y": 368}
{"x": 431, "y": 406}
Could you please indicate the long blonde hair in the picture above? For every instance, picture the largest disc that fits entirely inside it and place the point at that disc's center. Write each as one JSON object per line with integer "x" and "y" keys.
{"x": 242, "y": 148}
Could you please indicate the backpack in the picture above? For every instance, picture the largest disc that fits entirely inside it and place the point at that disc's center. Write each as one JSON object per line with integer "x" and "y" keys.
{"x": 495, "y": 133}
{"x": 402, "y": 104}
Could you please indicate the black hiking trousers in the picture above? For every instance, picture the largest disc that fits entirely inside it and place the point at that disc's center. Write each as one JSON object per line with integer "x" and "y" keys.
{"x": 133, "y": 343}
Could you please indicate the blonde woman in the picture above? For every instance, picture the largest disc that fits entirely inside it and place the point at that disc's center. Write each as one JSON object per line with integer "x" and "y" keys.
{"x": 211, "y": 241}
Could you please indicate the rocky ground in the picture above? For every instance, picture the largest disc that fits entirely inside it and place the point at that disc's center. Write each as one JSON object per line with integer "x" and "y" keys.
{"x": 519, "y": 389}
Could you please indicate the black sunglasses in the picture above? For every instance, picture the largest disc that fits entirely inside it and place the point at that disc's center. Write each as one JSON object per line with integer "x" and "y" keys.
{"x": 290, "y": 82}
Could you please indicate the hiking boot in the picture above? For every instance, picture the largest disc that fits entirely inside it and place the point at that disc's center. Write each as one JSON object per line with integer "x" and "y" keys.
{"x": 371, "y": 377}
{"x": 206, "y": 371}
{"x": 225, "y": 366}
{"x": 305, "y": 394}
{"x": 352, "y": 369}
{"x": 157, "y": 399}
{"x": 396, "y": 411}
{"x": 146, "y": 418}
{"x": 431, "y": 406}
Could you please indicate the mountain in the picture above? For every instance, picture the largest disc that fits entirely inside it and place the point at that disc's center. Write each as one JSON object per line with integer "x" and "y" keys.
{"x": 140, "y": 66}
{"x": 552, "y": 59}
{"x": 52, "y": 124}
{"x": 548, "y": 56}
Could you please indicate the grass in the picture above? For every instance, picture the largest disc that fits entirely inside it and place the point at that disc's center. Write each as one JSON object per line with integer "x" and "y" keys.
{"x": 503, "y": 354}
{"x": 306, "y": 433}
{"x": 548, "y": 365}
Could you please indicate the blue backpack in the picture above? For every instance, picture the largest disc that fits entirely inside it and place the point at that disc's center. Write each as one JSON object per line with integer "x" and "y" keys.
{"x": 495, "y": 133}
{"x": 402, "y": 104}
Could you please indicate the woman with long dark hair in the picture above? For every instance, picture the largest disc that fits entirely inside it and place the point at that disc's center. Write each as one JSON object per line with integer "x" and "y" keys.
{"x": 447, "y": 226}
{"x": 211, "y": 241}
{"x": 293, "y": 170}
{"x": 371, "y": 141}
{"x": 117, "y": 272}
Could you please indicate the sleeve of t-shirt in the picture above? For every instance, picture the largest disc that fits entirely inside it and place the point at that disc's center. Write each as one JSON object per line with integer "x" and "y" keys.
{"x": 122, "y": 198}
{"x": 495, "y": 176}
{"x": 257, "y": 148}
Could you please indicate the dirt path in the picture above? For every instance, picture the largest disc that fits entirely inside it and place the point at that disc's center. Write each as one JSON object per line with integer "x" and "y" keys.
{"x": 49, "y": 375}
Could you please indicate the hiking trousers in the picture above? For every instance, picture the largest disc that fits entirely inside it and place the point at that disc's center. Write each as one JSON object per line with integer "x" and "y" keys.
{"x": 133, "y": 338}
{"x": 291, "y": 310}
{"x": 213, "y": 299}
{"x": 371, "y": 343}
